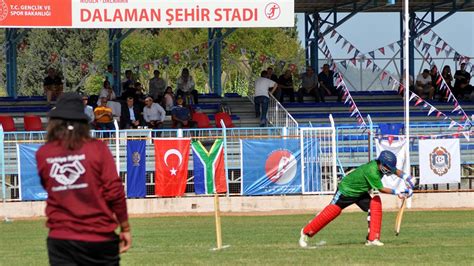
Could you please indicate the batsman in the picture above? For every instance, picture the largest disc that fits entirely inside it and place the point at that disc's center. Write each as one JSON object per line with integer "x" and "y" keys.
{"x": 355, "y": 188}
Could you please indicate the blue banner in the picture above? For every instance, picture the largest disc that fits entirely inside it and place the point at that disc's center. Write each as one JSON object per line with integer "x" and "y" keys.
{"x": 30, "y": 184}
{"x": 136, "y": 169}
{"x": 271, "y": 167}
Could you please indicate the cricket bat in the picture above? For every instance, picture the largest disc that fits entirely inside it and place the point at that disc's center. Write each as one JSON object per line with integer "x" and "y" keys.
{"x": 398, "y": 221}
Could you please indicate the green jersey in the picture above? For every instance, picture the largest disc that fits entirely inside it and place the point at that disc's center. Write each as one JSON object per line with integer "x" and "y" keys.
{"x": 361, "y": 180}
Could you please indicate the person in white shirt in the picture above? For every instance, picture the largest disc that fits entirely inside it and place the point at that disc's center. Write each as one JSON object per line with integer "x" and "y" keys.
{"x": 153, "y": 114}
{"x": 261, "y": 98}
{"x": 157, "y": 86}
{"x": 185, "y": 86}
{"x": 424, "y": 85}
{"x": 88, "y": 110}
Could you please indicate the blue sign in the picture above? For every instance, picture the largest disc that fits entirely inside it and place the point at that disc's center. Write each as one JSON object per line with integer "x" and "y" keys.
{"x": 271, "y": 167}
{"x": 136, "y": 169}
{"x": 30, "y": 183}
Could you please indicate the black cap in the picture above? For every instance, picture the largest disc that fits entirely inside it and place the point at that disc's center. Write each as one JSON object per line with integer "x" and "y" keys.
{"x": 69, "y": 107}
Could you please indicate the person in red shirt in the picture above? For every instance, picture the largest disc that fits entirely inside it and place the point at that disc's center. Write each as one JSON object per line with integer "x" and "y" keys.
{"x": 86, "y": 198}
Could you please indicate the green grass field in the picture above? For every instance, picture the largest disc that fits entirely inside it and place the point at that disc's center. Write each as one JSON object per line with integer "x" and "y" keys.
{"x": 432, "y": 238}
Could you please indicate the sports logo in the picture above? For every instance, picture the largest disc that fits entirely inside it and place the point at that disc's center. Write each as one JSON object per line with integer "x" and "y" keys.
{"x": 3, "y": 10}
{"x": 272, "y": 11}
{"x": 440, "y": 161}
{"x": 280, "y": 167}
{"x": 68, "y": 173}
{"x": 136, "y": 158}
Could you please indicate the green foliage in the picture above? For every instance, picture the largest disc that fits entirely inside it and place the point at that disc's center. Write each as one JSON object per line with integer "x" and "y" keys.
{"x": 67, "y": 50}
{"x": 427, "y": 237}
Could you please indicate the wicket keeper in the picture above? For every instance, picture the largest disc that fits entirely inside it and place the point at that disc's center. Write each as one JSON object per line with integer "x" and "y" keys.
{"x": 354, "y": 188}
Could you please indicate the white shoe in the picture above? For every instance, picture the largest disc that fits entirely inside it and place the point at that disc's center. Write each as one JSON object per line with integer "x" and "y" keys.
{"x": 375, "y": 242}
{"x": 303, "y": 239}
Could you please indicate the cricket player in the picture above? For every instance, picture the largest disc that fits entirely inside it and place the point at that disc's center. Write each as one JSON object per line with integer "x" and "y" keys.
{"x": 86, "y": 199}
{"x": 354, "y": 188}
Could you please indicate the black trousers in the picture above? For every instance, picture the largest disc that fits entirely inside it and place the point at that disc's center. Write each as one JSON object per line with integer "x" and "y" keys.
{"x": 72, "y": 252}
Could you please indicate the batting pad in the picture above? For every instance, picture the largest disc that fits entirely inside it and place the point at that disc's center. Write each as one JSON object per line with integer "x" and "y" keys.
{"x": 375, "y": 222}
{"x": 322, "y": 219}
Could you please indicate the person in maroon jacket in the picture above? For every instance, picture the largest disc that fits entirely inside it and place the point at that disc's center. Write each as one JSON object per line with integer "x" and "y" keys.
{"x": 86, "y": 199}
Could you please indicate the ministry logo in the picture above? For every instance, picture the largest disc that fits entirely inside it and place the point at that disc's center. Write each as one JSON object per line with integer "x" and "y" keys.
{"x": 440, "y": 161}
{"x": 3, "y": 10}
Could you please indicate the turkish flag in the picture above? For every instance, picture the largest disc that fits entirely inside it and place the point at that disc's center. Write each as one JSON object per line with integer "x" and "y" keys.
{"x": 171, "y": 166}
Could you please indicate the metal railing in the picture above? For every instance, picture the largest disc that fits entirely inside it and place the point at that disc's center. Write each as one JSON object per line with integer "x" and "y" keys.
{"x": 278, "y": 116}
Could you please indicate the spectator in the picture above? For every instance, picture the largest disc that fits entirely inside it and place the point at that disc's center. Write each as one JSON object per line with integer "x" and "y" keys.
{"x": 309, "y": 86}
{"x": 181, "y": 115}
{"x": 107, "y": 91}
{"x": 168, "y": 99}
{"x": 411, "y": 86}
{"x": 53, "y": 85}
{"x": 153, "y": 114}
{"x": 434, "y": 76}
{"x": 285, "y": 83}
{"x": 131, "y": 116}
{"x": 461, "y": 84}
{"x": 103, "y": 115}
{"x": 272, "y": 76}
{"x": 88, "y": 110}
{"x": 448, "y": 77}
{"x": 128, "y": 88}
{"x": 110, "y": 75}
{"x": 326, "y": 82}
{"x": 86, "y": 199}
{"x": 185, "y": 86}
{"x": 157, "y": 87}
{"x": 424, "y": 85}
{"x": 139, "y": 96}
{"x": 261, "y": 98}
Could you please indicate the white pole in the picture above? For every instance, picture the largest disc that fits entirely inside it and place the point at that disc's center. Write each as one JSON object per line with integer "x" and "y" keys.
{"x": 407, "y": 92}
{"x": 407, "y": 86}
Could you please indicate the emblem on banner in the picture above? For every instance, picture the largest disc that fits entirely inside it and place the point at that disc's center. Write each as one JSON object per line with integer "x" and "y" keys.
{"x": 272, "y": 11}
{"x": 136, "y": 158}
{"x": 280, "y": 167}
{"x": 3, "y": 10}
{"x": 440, "y": 161}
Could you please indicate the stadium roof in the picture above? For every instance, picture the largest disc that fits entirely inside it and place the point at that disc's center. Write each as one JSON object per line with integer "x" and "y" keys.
{"x": 310, "y": 6}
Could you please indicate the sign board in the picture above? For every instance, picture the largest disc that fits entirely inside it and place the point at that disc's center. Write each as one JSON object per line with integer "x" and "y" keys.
{"x": 146, "y": 13}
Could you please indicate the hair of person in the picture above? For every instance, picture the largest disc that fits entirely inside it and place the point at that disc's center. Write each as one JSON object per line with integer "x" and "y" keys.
{"x": 72, "y": 134}
{"x": 426, "y": 70}
{"x": 106, "y": 82}
{"x": 156, "y": 71}
{"x": 264, "y": 73}
{"x": 109, "y": 66}
{"x": 137, "y": 84}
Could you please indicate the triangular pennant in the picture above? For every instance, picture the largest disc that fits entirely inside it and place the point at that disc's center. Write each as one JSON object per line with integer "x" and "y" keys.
{"x": 399, "y": 43}
{"x": 412, "y": 96}
{"x": 354, "y": 112}
{"x": 426, "y": 47}
{"x": 457, "y": 108}
{"x": 333, "y": 33}
{"x": 418, "y": 42}
{"x": 232, "y": 47}
{"x": 338, "y": 38}
{"x": 196, "y": 49}
{"x": 390, "y": 139}
{"x": 252, "y": 54}
{"x": 433, "y": 36}
{"x": 444, "y": 45}
{"x": 448, "y": 51}
{"x": 354, "y": 61}
{"x": 437, "y": 50}
{"x": 384, "y": 74}
{"x": 372, "y": 54}
{"x": 382, "y": 50}
{"x": 368, "y": 63}
{"x": 374, "y": 67}
{"x": 243, "y": 51}
{"x": 451, "y": 125}
{"x": 282, "y": 63}
{"x": 391, "y": 47}
{"x": 350, "y": 48}
{"x": 356, "y": 53}
{"x": 439, "y": 114}
{"x": 438, "y": 40}
{"x": 344, "y": 64}
{"x": 432, "y": 109}
{"x": 456, "y": 56}
{"x": 418, "y": 101}
{"x": 390, "y": 79}
{"x": 466, "y": 135}
{"x": 345, "y": 43}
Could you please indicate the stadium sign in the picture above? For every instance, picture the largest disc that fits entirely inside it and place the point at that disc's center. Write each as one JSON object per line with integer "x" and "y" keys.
{"x": 146, "y": 14}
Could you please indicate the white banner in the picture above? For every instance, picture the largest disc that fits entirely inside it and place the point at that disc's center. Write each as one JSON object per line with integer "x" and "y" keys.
{"x": 440, "y": 161}
{"x": 146, "y": 13}
{"x": 398, "y": 148}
